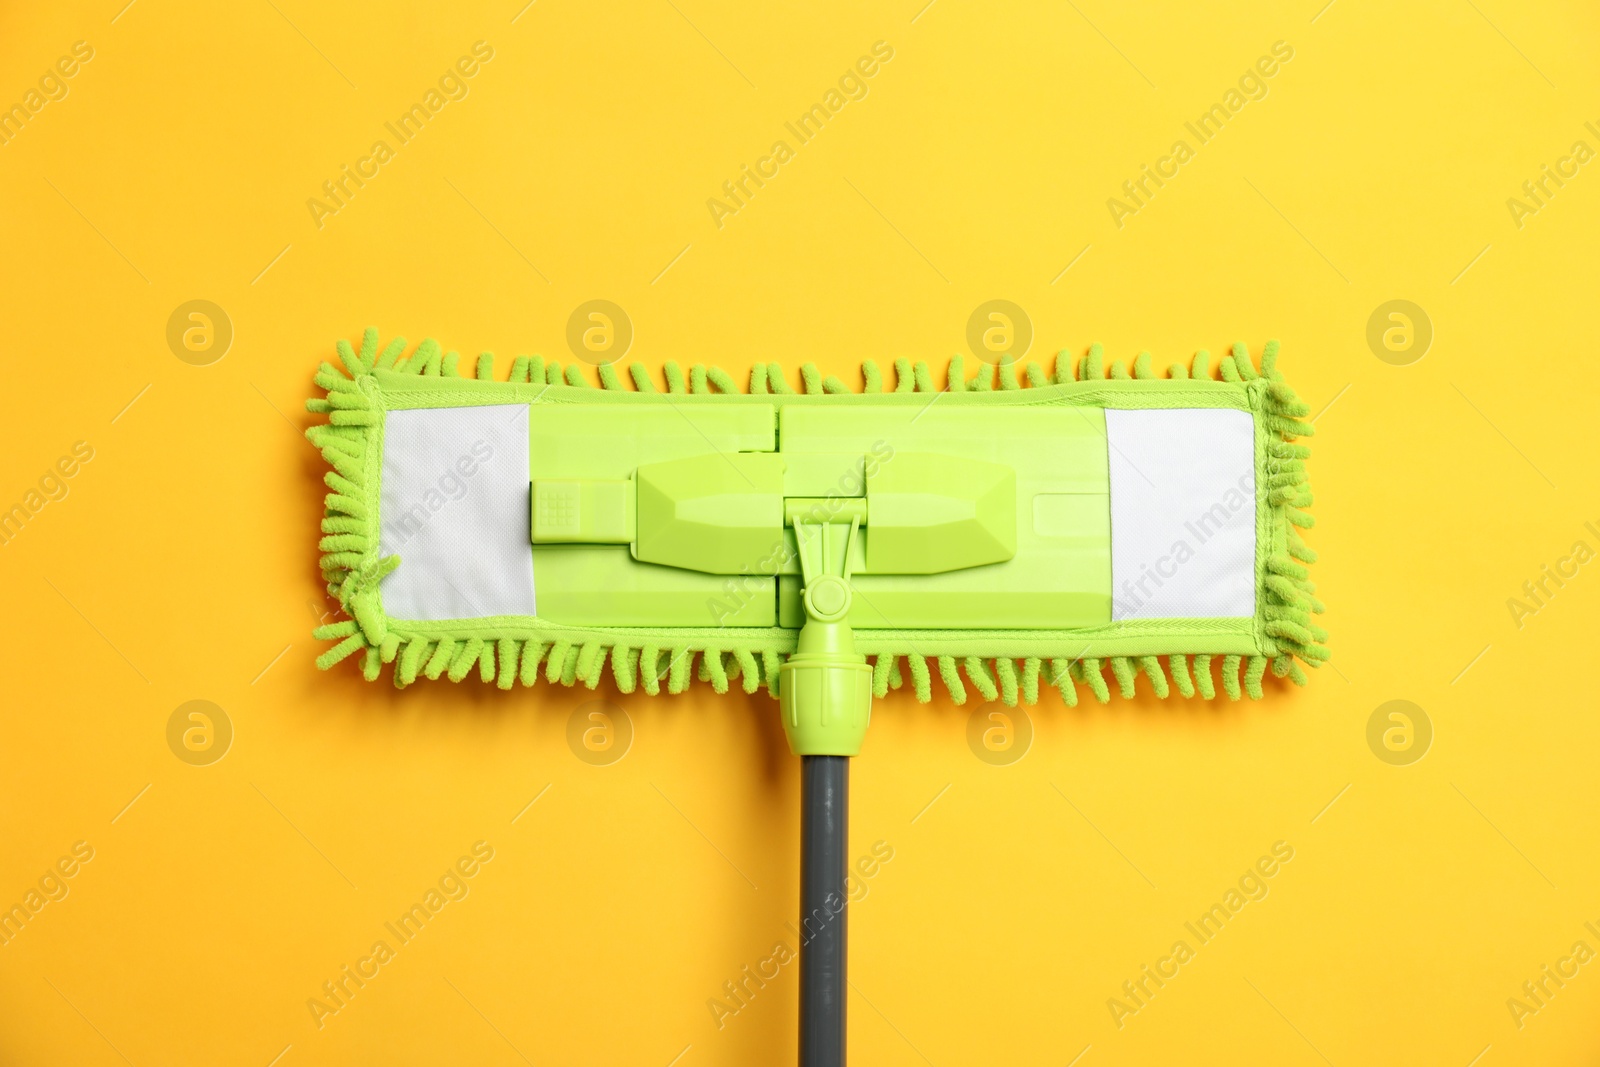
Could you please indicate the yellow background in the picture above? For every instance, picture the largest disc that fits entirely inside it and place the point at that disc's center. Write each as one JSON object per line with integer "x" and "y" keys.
{"x": 183, "y": 560}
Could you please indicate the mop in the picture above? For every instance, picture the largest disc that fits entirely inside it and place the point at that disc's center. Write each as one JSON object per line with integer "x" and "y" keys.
{"x": 1072, "y": 527}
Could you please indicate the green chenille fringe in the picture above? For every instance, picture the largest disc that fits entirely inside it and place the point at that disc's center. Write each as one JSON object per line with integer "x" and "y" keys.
{"x": 352, "y": 569}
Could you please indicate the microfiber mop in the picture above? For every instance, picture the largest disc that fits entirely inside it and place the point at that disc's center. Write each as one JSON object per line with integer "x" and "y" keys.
{"x": 1045, "y": 528}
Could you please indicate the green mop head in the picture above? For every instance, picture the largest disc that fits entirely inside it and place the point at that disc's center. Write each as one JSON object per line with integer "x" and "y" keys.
{"x": 1050, "y": 527}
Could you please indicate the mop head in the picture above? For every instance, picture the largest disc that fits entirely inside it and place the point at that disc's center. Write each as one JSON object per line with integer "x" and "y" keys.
{"x": 1079, "y": 526}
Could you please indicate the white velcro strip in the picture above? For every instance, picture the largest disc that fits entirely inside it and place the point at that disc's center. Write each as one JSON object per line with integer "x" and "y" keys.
{"x": 1183, "y": 513}
{"x": 454, "y": 508}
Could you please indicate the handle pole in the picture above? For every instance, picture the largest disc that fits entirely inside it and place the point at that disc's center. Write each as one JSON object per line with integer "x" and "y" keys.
{"x": 824, "y": 837}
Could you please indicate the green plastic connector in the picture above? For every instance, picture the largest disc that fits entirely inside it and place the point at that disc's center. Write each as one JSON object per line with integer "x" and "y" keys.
{"x": 825, "y": 693}
{"x": 825, "y": 687}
